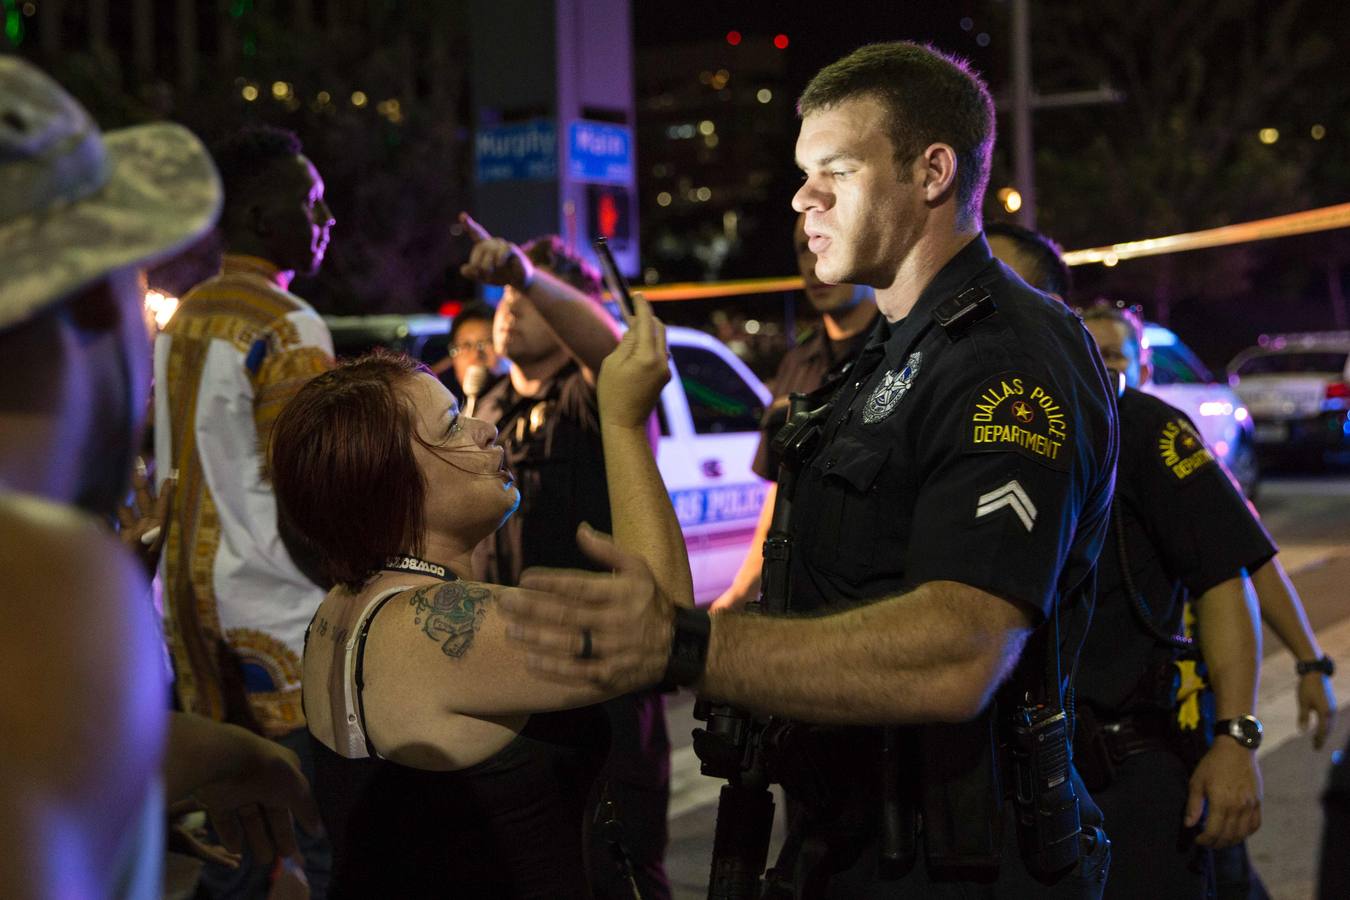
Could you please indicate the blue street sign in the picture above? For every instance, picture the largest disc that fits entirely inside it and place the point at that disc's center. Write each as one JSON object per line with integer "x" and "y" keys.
{"x": 600, "y": 152}
{"x": 523, "y": 151}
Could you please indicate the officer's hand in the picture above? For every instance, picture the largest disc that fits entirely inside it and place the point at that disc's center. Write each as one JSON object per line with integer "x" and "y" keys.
{"x": 732, "y": 598}
{"x": 1227, "y": 782}
{"x": 629, "y": 620}
{"x": 494, "y": 260}
{"x": 631, "y": 377}
{"x": 1315, "y": 695}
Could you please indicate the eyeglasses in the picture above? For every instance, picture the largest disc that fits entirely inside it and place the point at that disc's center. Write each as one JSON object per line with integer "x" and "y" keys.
{"x": 479, "y": 346}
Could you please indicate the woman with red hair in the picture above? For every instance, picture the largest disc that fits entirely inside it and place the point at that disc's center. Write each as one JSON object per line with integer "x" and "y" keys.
{"x": 445, "y": 766}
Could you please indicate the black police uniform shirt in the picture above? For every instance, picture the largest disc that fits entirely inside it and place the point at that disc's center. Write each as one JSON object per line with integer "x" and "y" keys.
{"x": 984, "y": 458}
{"x": 803, "y": 369}
{"x": 554, "y": 451}
{"x": 1187, "y": 529}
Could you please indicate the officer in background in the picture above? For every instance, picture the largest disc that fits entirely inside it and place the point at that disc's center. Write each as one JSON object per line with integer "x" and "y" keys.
{"x": 847, "y": 314}
{"x": 551, "y": 326}
{"x": 1206, "y": 516}
{"x": 944, "y": 522}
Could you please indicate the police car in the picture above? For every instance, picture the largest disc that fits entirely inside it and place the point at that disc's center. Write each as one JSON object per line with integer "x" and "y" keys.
{"x": 1181, "y": 379}
{"x": 709, "y": 417}
{"x": 1297, "y": 387}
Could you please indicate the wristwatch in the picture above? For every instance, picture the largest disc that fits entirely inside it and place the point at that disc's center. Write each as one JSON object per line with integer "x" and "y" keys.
{"x": 1246, "y": 730}
{"x": 1322, "y": 664}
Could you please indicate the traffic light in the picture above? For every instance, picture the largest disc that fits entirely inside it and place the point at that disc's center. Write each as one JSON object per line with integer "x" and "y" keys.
{"x": 608, "y": 213}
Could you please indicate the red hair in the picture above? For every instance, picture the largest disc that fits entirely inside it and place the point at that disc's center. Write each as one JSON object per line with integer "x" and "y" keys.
{"x": 349, "y": 492}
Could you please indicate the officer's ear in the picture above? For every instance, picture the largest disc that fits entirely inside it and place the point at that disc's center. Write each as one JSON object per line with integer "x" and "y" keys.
{"x": 938, "y": 172}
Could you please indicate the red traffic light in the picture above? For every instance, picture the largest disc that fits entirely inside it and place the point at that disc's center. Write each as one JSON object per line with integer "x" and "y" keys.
{"x": 780, "y": 41}
{"x": 733, "y": 37}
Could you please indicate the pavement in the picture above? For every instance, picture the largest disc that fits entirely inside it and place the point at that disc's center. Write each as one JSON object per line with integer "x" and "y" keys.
{"x": 1310, "y": 520}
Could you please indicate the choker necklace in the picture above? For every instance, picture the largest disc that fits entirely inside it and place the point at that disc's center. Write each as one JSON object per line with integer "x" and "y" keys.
{"x": 418, "y": 567}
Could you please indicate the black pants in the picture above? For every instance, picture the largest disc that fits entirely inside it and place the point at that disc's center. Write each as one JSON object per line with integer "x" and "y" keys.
{"x": 1153, "y": 856}
{"x": 637, "y": 778}
{"x": 1334, "y": 878}
{"x": 1011, "y": 881}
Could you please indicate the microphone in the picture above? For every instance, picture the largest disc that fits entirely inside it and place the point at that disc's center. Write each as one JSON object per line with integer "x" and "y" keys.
{"x": 475, "y": 377}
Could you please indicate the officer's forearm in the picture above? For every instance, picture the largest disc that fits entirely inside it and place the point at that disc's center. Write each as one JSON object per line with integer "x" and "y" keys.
{"x": 644, "y": 521}
{"x": 1230, "y": 641}
{"x": 747, "y": 577}
{"x": 1283, "y": 612}
{"x": 935, "y": 654}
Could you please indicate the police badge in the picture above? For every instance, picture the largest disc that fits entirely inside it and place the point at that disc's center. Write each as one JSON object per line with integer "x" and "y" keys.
{"x": 894, "y": 386}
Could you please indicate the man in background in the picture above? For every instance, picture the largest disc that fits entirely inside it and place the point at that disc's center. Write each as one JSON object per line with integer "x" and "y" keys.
{"x": 847, "y": 314}
{"x": 238, "y": 348}
{"x": 552, "y": 328}
{"x": 83, "y": 767}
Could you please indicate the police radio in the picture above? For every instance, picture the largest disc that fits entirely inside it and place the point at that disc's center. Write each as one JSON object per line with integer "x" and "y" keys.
{"x": 1049, "y": 826}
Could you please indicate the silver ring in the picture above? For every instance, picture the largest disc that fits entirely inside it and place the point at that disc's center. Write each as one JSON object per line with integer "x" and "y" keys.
{"x": 585, "y": 645}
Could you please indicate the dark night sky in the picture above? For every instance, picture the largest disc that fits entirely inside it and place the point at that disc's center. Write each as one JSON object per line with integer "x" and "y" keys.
{"x": 826, "y": 31}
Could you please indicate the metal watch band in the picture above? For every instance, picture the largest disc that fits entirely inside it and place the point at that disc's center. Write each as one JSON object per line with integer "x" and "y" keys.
{"x": 688, "y": 648}
{"x": 1322, "y": 664}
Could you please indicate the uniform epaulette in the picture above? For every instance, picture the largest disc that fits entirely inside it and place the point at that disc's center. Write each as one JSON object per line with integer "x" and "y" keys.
{"x": 958, "y": 314}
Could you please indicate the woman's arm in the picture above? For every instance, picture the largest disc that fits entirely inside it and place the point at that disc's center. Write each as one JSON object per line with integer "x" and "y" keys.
{"x": 644, "y": 520}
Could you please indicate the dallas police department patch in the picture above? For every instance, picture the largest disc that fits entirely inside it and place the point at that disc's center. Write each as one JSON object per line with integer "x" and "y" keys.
{"x": 1182, "y": 450}
{"x": 894, "y": 385}
{"x": 1013, "y": 412}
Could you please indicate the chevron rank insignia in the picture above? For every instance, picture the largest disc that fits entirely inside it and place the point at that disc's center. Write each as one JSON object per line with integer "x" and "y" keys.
{"x": 1010, "y": 496}
{"x": 1182, "y": 450}
{"x": 1015, "y": 413}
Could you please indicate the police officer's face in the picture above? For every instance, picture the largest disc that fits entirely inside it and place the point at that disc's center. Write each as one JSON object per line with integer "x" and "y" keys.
{"x": 1119, "y": 349}
{"x": 863, "y": 211}
{"x": 825, "y": 298}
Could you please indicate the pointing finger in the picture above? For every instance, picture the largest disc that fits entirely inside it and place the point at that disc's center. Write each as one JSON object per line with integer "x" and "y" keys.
{"x": 476, "y": 232}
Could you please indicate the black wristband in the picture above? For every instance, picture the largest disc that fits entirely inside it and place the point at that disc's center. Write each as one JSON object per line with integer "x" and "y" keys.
{"x": 1322, "y": 664}
{"x": 688, "y": 648}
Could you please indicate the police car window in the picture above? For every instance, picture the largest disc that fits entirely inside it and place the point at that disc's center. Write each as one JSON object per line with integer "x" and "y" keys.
{"x": 1174, "y": 366}
{"x": 1293, "y": 363}
{"x": 719, "y": 400}
{"x": 662, "y": 420}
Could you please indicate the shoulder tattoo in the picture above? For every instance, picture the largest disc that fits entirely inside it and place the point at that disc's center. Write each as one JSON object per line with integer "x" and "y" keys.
{"x": 451, "y": 614}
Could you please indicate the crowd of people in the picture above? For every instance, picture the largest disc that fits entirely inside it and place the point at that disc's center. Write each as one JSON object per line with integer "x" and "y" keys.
{"x": 416, "y": 632}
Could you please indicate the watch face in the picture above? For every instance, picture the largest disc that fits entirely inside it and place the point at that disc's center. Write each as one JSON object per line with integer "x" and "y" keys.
{"x": 1246, "y": 730}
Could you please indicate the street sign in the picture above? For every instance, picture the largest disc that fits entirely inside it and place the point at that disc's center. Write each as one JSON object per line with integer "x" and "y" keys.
{"x": 522, "y": 151}
{"x": 601, "y": 153}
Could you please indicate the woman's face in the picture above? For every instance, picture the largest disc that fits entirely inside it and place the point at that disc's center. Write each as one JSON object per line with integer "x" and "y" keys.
{"x": 470, "y": 491}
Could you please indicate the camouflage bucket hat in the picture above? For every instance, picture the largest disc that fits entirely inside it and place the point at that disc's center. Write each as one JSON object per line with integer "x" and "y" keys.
{"x": 76, "y": 204}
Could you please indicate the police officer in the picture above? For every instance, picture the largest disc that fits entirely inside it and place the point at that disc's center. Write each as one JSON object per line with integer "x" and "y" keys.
{"x": 953, "y": 506}
{"x": 1180, "y": 530}
{"x": 847, "y": 314}
{"x": 1128, "y": 670}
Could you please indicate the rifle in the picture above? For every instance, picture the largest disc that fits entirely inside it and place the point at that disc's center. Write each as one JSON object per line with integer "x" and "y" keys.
{"x": 736, "y": 745}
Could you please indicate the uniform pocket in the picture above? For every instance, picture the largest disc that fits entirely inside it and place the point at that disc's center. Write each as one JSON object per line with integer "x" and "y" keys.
{"x": 853, "y": 515}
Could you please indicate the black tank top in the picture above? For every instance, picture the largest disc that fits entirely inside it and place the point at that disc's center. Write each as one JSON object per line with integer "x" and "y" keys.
{"x": 509, "y": 827}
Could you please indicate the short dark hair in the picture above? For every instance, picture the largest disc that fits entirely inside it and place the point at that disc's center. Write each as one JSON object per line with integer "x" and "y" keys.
{"x": 929, "y": 96}
{"x": 473, "y": 313}
{"x": 1104, "y": 310}
{"x": 347, "y": 484}
{"x": 550, "y": 252}
{"x": 1051, "y": 272}
{"x": 247, "y": 154}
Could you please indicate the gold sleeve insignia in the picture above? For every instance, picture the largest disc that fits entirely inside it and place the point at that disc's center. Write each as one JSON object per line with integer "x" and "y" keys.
{"x": 1015, "y": 413}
